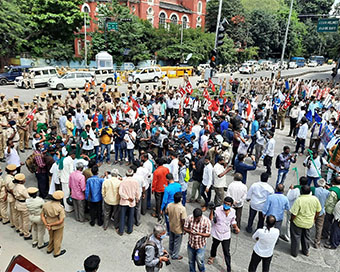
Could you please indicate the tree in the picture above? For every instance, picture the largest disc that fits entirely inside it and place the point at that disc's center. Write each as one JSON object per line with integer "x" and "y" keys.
{"x": 270, "y": 6}
{"x": 264, "y": 32}
{"x": 50, "y": 27}
{"x": 312, "y": 6}
{"x": 12, "y": 29}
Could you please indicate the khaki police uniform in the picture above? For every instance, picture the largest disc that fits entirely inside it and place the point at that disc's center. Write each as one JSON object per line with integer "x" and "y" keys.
{"x": 13, "y": 130}
{"x": 21, "y": 194}
{"x": 31, "y": 77}
{"x": 10, "y": 199}
{"x": 3, "y": 128}
{"x": 3, "y": 202}
{"x": 34, "y": 206}
{"x": 23, "y": 130}
{"x": 53, "y": 211}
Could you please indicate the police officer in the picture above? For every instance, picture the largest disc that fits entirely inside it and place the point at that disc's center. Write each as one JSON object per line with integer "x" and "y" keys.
{"x": 12, "y": 134}
{"x": 31, "y": 77}
{"x": 53, "y": 215}
{"x": 20, "y": 193}
{"x": 34, "y": 206}
{"x": 3, "y": 202}
{"x": 23, "y": 129}
{"x": 3, "y": 127}
{"x": 10, "y": 170}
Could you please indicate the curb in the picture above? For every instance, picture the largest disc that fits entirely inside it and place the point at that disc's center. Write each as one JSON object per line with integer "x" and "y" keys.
{"x": 306, "y": 73}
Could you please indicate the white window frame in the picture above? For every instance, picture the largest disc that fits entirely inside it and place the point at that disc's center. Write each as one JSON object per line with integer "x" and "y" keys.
{"x": 187, "y": 22}
{"x": 199, "y": 7}
{"x": 159, "y": 15}
{"x": 83, "y": 8}
{"x": 174, "y": 14}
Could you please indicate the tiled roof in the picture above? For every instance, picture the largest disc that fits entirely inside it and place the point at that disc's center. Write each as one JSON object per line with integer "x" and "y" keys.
{"x": 178, "y": 8}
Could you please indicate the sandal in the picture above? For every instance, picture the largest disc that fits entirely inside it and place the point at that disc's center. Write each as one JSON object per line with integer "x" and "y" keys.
{"x": 211, "y": 260}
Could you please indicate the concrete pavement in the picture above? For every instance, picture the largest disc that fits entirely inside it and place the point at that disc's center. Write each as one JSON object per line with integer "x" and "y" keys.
{"x": 81, "y": 240}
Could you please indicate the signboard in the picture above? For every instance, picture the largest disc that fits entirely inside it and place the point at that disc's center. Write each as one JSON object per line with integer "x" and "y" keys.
{"x": 112, "y": 26}
{"x": 328, "y": 25}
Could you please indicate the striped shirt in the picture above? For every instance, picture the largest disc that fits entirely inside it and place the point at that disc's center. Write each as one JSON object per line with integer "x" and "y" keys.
{"x": 203, "y": 226}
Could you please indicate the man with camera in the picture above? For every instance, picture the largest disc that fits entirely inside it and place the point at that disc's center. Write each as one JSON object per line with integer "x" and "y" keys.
{"x": 106, "y": 135}
{"x": 222, "y": 218}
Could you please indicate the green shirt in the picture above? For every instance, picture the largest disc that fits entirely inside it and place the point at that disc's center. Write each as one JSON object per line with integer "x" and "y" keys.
{"x": 304, "y": 208}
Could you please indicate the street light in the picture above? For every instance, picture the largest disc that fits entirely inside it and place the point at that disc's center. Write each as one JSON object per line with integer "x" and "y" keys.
{"x": 286, "y": 34}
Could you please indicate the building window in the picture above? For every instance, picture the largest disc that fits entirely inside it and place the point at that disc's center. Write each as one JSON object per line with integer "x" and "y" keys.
{"x": 199, "y": 7}
{"x": 79, "y": 46}
{"x": 150, "y": 1}
{"x": 174, "y": 19}
{"x": 85, "y": 8}
{"x": 133, "y": 9}
{"x": 150, "y": 11}
{"x": 162, "y": 19}
{"x": 150, "y": 19}
{"x": 185, "y": 21}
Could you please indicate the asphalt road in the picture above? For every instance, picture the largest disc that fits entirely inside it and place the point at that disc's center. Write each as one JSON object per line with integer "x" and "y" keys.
{"x": 81, "y": 240}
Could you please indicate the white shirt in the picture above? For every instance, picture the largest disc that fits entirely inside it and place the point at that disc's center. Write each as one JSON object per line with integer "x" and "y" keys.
{"x": 143, "y": 172}
{"x": 195, "y": 105}
{"x": 67, "y": 170}
{"x": 149, "y": 167}
{"x": 258, "y": 193}
{"x": 129, "y": 143}
{"x": 87, "y": 144}
{"x": 12, "y": 157}
{"x": 93, "y": 137}
{"x": 174, "y": 169}
{"x": 294, "y": 112}
{"x": 269, "y": 149}
{"x": 311, "y": 171}
{"x": 207, "y": 175}
{"x": 238, "y": 192}
{"x": 176, "y": 103}
{"x": 292, "y": 195}
{"x": 301, "y": 114}
{"x": 265, "y": 244}
{"x": 219, "y": 182}
{"x": 170, "y": 103}
{"x": 303, "y": 130}
{"x": 196, "y": 130}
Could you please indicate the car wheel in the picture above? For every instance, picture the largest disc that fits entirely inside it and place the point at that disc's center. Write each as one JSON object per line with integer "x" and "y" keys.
{"x": 156, "y": 79}
{"x": 137, "y": 80}
{"x": 60, "y": 87}
{"x": 109, "y": 81}
{"x": 3, "y": 81}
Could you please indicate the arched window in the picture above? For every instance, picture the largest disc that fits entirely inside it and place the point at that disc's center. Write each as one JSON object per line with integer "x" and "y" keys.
{"x": 162, "y": 18}
{"x": 149, "y": 11}
{"x": 85, "y": 8}
{"x": 185, "y": 22}
{"x": 199, "y": 7}
{"x": 174, "y": 19}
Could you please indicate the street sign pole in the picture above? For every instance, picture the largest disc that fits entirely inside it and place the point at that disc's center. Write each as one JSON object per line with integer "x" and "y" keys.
{"x": 218, "y": 21}
{"x": 286, "y": 34}
{"x": 85, "y": 37}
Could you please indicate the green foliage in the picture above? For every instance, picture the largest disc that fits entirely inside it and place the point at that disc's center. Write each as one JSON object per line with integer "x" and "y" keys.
{"x": 312, "y": 6}
{"x": 270, "y": 6}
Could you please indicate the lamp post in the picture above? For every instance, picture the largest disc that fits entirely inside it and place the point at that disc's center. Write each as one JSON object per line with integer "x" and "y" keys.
{"x": 85, "y": 38}
{"x": 218, "y": 21}
{"x": 286, "y": 34}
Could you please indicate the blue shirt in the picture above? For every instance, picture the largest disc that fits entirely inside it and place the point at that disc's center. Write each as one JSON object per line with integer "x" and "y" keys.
{"x": 94, "y": 187}
{"x": 254, "y": 127}
{"x": 242, "y": 168}
{"x": 169, "y": 193}
{"x": 276, "y": 204}
{"x": 224, "y": 126}
{"x": 186, "y": 136}
{"x": 322, "y": 194}
{"x": 100, "y": 120}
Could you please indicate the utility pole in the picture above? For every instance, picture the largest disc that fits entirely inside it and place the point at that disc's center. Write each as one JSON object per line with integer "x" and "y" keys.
{"x": 182, "y": 27}
{"x": 286, "y": 35}
{"x": 218, "y": 21}
{"x": 85, "y": 43}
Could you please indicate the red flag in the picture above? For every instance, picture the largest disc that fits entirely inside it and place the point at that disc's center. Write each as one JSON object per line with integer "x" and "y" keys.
{"x": 249, "y": 110}
{"x": 191, "y": 124}
{"x": 128, "y": 108}
{"x": 30, "y": 116}
{"x": 210, "y": 124}
{"x": 109, "y": 117}
{"x": 287, "y": 102}
{"x": 180, "y": 111}
{"x": 206, "y": 94}
{"x": 117, "y": 117}
{"x": 188, "y": 88}
{"x": 211, "y": 85}
{"x": 135, "y": 104}
{"x": 147, "y": 122}
{"x": 181, "y": 91}
{"x": 186, "y": 101}
{"x": 95, "y": 119}
{"x": 222, "y": 93}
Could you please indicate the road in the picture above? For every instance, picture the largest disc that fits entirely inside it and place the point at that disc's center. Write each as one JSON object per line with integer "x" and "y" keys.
{"x": 81, "y": 240}
{"x": 27, "y": 95}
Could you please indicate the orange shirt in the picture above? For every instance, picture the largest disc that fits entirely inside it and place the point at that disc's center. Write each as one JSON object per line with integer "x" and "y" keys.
{"x": 87, "y": 87}
{"x": 159, "y": 181}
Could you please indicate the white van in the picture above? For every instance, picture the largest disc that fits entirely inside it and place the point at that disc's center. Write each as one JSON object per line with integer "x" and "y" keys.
{"x": 41, "y": 76}
{"x": 106, "y": 74}
{"x": 70, "y": 80}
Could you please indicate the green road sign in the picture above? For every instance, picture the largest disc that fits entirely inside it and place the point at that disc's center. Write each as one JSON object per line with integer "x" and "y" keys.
{"x": 112, "y": 26}
{"x": 328, "y": 25}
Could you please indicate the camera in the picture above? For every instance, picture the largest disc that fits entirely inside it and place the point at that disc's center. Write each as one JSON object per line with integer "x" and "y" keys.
{"x": 211, "y": 205}
{"x": 168, "y": 261}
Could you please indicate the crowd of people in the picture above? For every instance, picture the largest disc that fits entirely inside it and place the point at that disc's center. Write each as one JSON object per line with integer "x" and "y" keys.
{"x": 182, "y": 146}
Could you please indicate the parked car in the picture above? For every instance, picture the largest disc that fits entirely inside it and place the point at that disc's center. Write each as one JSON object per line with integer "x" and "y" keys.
{"x": 41, "y": 76}
{"x": 147, "y": 74}
{"x": 292, "y": 65}
{"x": 247, "y": 68}
{"x": 12, "y": 73}
{"x": 106, "y": 74}
{"x": 276, "y": 66}
{"x": 70, "y": 80}
{"x": 313, "y": 63}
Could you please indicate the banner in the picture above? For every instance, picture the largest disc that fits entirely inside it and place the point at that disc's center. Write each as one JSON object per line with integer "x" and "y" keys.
{"x": 326, "y": 136}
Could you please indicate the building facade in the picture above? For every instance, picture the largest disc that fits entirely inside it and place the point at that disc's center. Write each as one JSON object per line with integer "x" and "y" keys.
{"x": 160, "y": 13}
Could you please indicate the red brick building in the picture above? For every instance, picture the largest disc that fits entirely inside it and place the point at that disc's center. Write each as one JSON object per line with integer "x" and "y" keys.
{"x": 190, "y": 13}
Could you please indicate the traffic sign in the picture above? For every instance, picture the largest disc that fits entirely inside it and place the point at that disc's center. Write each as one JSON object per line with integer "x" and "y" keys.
{"x": 112, "y": 26}
{"x": 328, "y": 25}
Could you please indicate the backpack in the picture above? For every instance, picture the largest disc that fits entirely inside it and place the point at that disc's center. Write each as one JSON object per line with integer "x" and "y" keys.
{"x": 31, "y": 164}
{"x": 278, "y": 162}
{"x": 138, "y": 253}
